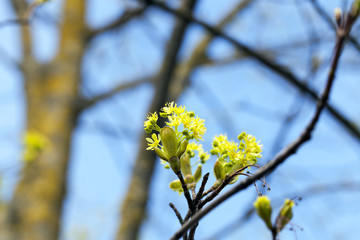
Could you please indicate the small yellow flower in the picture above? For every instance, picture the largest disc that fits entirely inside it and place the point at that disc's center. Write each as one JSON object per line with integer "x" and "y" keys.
{"x": 174, "y": 121}
{"x": 172, "y": 107}
{"x": 153, "y": 142}
{"x": 198, "y": 128}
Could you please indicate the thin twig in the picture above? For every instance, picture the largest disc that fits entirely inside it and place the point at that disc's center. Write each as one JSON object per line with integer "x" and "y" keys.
{"x": 320, "y": 10}
{"x": 201, "y": 189}
{"x": 117, "y": 23}
{"x": 224, "y": 183}
{"x": 178, "y": 215}
{"x": 87, "y": 103}
{"x": 290, "y": 149}
{"x": 196, "y": 203}
{"x": 186, "y": 192}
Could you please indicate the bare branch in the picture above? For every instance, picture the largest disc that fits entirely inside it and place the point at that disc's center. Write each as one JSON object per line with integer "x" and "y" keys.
{"x": 202, "y": 187}
{"x": 293, "y": 147}
{"x": 117, "y": 23}
{"x": 186, "y": 192}
{"x": 331, "y": 23}
{"x": 178, "y": 215}
{"x": 87, "y": 103}
{"x": 277, "y": 68}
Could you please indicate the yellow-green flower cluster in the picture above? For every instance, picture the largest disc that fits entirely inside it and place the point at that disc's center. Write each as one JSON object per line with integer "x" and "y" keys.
{"x": 234, "y": 156}
{"x": 193, "y": 127}
{"x": 172, "y": 140}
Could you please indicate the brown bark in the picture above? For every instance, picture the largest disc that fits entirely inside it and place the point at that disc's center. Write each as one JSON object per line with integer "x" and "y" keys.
{"x": 51, "y": 91}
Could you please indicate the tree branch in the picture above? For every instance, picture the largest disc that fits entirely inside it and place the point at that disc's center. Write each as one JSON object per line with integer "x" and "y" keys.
{"x": 117, "y": 23}
{"x": 87, "y": 103}
{"x": 178, "y": 215}
{"x": 293, "y": 147}
{"x": 331, "y": 23}
{"x": 277, "y": 68}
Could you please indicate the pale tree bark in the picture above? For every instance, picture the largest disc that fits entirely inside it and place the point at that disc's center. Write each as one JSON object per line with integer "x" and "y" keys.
{"x": 51, "y": 89}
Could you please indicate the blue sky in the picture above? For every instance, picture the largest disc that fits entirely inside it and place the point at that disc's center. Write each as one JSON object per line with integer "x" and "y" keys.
{"x": 240, "y": 96}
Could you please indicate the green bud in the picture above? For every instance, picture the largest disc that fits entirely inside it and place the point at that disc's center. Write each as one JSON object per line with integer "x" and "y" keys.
{"x": 219, "y": 170}
{"x": 214, "y": 152}
{"x": 203, "y": 158}
{"x": 263, "y": 209}
{"x": 161, "y": 154}
{"x": 185, "y": 164}
{"x": 175, "y": 164}
{"x": 285, "y": 214}
{"x": 182, "y": 148}
{"x": 169, "y": 141}
{"x": 185, "y": 133}
{"x": 175, "y": 185}
{"x": 149, "y": 129}
{"x": 241, "y": 136}
{"x": 198, "y": 174}
{"x": 191, "y": 114}
{"x": 189, "y": 178}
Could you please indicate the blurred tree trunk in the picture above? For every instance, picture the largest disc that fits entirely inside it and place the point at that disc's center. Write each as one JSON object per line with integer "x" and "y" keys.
{"x": 51, "y": 91}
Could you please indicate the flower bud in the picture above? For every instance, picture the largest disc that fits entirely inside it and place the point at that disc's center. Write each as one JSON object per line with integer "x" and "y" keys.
{"x": 185, "y": 164}
{"x": 169, "y": 141}
{"x": 285, "y": 214}
{"x": 219, "y": 170}
{"x": 149, "y": 129}
{"x": 198, "y": 174}
{"x": 161, "y": 154}
{"x": 189, "y": 178}
{"x": 175, "y": 164}
{"x": 338, "y": 16}
{"x": 175, "y": 185}
{"x": 214, "y": 152}
{"x": 241, "y": 136}
{"x": 263, "y": 209}
{"x": 182, "y": 148}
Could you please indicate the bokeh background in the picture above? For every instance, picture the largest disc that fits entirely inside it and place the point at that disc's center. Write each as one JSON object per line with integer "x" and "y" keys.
{"x": 100, "y": 67}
